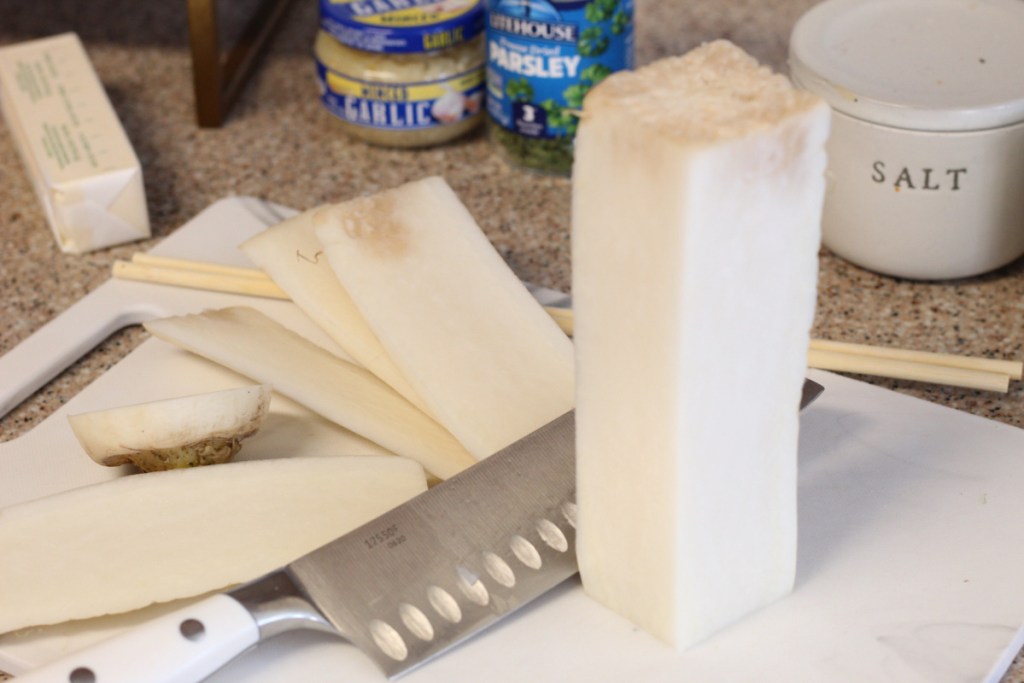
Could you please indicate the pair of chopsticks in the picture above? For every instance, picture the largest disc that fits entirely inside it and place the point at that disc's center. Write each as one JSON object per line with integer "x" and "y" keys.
{"x": 938, "y": 368}
{"x": 197, "y": 275}
{"x": 923, "y": 366}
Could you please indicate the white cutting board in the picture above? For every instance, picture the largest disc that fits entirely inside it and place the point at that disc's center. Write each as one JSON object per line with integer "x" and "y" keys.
{"x": 911, "y": 565}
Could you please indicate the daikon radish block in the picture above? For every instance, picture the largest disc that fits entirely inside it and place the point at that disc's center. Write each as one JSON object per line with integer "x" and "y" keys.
{"x": 697, "y": 194}
{"x": 290, "y": 254}
{"x": 147, "y": 538}
{"x": 248, "y": 342}
{"x": 485, "y": 357}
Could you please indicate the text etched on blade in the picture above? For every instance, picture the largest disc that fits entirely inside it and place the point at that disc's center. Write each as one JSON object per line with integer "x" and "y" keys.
{"x": 388, "y": 537}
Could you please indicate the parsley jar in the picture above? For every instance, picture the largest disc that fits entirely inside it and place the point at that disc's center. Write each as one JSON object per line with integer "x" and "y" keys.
{"x": 543, "y": 57}
{"x": 402, "y": 73}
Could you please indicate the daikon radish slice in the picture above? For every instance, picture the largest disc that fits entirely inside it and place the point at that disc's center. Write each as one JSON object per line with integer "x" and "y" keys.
{"x": 484, "y": 356}
{"x": 290, "y": 254}
{"x": 147, "y": 538}
{"x": 697, "y": 194}
{"x": 184, "y": 431}
{"x": 248, "y": 342}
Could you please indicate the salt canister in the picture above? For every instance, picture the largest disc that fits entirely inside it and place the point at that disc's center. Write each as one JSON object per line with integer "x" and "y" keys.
{"x": 926, "y": 157}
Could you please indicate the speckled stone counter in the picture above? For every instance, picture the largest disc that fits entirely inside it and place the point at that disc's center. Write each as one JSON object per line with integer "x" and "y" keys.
{"x": 280, "y": 145}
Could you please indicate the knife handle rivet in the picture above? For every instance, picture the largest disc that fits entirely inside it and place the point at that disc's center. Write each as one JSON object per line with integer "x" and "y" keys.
{"x": 416, "y": 621}
{"x": 552, "y": 535}
{"x": 192, "y": 629}
{"x": 388, "y": 640}
{"x": 444, "y": 604}
{"x": 525, "y": 552}
{"x": 82, "y": 675}
{"x": 499, "y": 570}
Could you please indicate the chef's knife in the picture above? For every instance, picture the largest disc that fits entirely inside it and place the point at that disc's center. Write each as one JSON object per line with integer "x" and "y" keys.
{"x": 403, "y": 588}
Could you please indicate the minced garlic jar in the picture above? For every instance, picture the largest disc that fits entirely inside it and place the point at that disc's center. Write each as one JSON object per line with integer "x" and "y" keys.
{"x": 402, "y": 73}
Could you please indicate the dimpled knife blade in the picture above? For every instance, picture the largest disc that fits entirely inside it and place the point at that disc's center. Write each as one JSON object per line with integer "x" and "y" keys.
{"x": 455, "y": 559}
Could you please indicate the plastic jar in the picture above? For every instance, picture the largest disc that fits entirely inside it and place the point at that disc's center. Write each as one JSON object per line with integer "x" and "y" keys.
{"x": 925, "y": 176}
{"x": 402, "y": 74}
{"x": 543, "y": 56}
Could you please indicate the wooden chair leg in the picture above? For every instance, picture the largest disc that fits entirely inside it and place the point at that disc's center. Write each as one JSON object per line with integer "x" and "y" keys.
{"x": 218, "y": 83}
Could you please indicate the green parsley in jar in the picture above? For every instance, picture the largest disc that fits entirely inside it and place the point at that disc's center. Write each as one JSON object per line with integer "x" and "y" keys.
{"x": 402, "y": 73}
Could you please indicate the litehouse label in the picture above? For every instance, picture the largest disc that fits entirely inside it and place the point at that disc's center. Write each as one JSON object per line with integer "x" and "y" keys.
{"x": 543, "y": 57}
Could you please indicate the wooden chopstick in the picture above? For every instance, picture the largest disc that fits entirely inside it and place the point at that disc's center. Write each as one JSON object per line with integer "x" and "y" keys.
{"x": 198, "y": 266}
{"x": 894, "y": 368}
{"x": 198, "y": 279}
{"x": 953, "y": 370}
{"x": 562, "y": 316}
{"x": 969, "y": 372}
{"x": 1012, "y": 369}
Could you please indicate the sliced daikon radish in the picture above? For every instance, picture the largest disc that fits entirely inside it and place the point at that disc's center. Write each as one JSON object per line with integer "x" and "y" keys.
{"x": 697, "y": 193}
{"x": 147, "y": 538}
{"x": 291, "y": 255}
{"x": 250, "y": 343}
{"x": 185, "y": 431}
{"x": 488, "y": 361}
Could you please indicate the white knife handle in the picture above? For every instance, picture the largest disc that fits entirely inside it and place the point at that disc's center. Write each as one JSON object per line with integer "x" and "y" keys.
{"x": 184, "y": 646}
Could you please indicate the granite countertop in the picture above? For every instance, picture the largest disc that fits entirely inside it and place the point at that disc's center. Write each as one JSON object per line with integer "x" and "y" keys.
{"x": 279, "y": 144}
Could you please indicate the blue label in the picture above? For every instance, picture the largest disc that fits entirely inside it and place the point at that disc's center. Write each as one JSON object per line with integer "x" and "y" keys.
{"x": 401, "y": 26}
{"x": 401, "y": 106}
{"x": 543, "y": 56}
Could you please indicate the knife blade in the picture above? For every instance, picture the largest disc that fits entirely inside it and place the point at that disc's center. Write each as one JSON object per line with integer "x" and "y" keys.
{"x": 403, "y": 588}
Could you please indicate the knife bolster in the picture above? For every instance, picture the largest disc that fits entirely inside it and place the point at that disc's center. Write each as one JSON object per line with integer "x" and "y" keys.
{"x": 277, "y": 605}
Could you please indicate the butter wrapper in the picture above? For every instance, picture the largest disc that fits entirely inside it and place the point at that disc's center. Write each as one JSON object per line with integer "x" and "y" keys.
{"x": 81, "y": 163}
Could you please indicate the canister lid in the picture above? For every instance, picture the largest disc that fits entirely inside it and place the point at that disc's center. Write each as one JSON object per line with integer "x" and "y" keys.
{"x": 939, "y": 65}
{"x": 397, "y": 26}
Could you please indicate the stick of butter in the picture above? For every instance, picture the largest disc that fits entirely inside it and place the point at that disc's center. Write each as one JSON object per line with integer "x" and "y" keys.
{"x": 78, "y": 156}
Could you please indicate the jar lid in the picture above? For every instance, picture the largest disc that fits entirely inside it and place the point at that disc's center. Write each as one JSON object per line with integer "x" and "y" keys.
{"x": 939, "y": 65}
{"x": 397, "y": 26}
